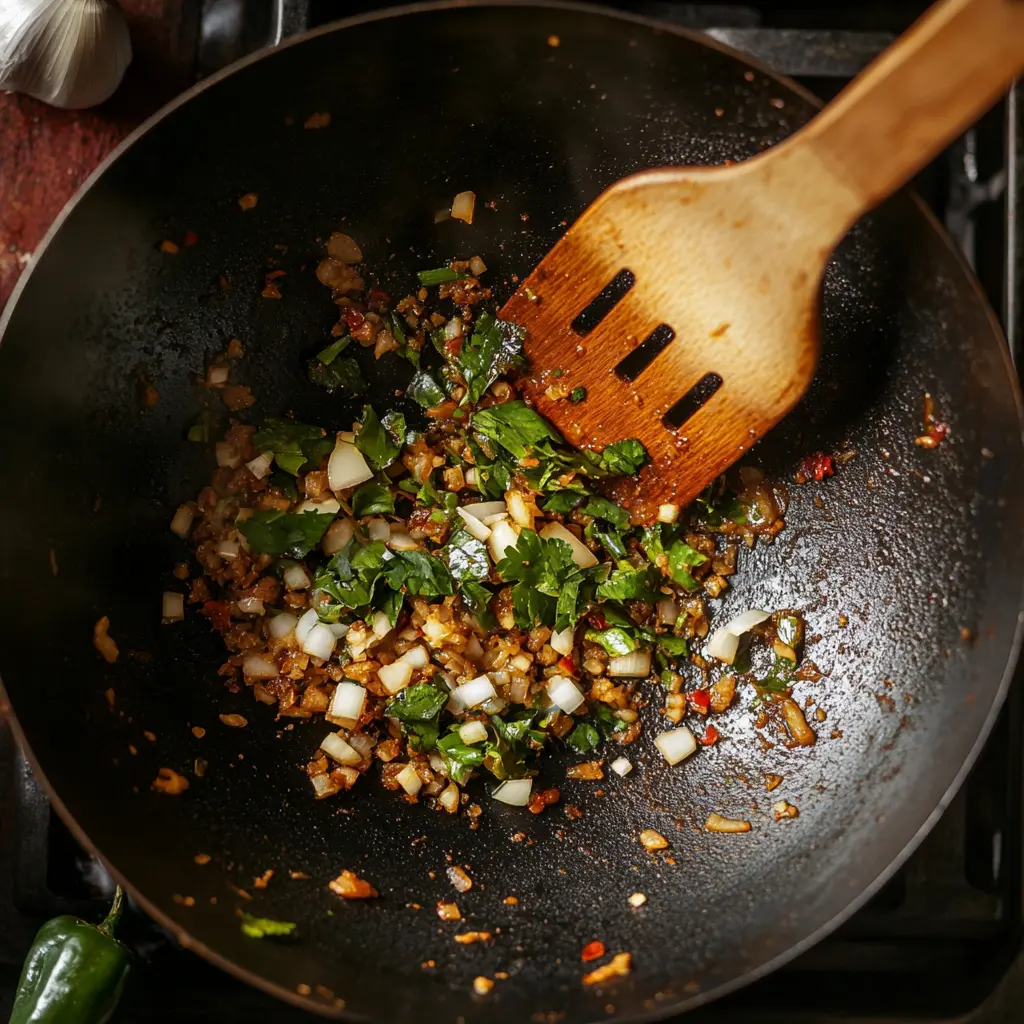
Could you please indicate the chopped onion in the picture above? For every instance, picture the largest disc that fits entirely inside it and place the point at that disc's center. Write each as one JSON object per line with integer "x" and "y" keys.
{"x": 471, "y": 476}
{"x": 630, "y": 666}
{"x": 668, "y": 513}
{"x": 522, "y": 662}
{"x": 408, "y": 778}
{"x": 347, "y": 467}
{"x": 305, "y": 624}
{"x": 462, "y": 206}
{"x": 500, "y": 517}
{"x": 173, "y": 606}
{"x": 474, "y": 527}
{"x": 344, "y": 248}
{"x": 503, "y": 536}
{"x": 581, "y": 554}
{"x": 295, "y": 578}
{"x": 723, "y": 645}
{"x": 334, "y": 745}
{"x": 453, "y": 329}
{"x": 217, "y": 376}
{"x": 676, "y": 744}
{"x": 250, "y": 605}
{"x": 396, "y": 676}
{"x": 381, "y": 624}
{"x": 325, "y": 506}
{"x": 482, "y": 509}
{"x": 378, "y": 529}
{"x": 181, "y": 524}
{"x": 668, "y": 613}
{"x": 347, "y": 435}
{"x": 477, "y": 266}
{"x": 745, "y": 621}
{"x": 564, "y": 693}
{"x": 347, "y": 703}
{"x": 227, "y": 455}
{"x": 401, "y": 541}
{"x": 323, "y": 785}
{"x": 519, "y": 510}
{"x": 449, "y": 798}
{"x": 360, "y": 742}
{"x": 473, "y": 732}
{"x": 319, "y": 642}
{"x": 562, "y": 642}
{"x": 255, "y": 666}
{"x": 470, "y": 694}
{"x": 474, "y": 651}
{"x": 495, "y": 705}
{"x": 260, "y": 466}
{"x": 339, "y": 629}
{"x": 416, "y": 656}
{"x": 515, "y": 792}
{"x": 228, "y": 549}
{"x": 281, "y": 625}
{"x": 621, "y": 766}
{"x": 338, "y": 534}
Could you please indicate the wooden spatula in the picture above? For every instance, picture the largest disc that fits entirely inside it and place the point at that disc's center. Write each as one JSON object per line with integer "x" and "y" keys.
{"x": 727, "y": 261}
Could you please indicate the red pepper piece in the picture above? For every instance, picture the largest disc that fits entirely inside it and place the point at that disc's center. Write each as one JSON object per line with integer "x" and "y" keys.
{"x": 818, "y": 466}
{"x": 592, "y": 951}
{"x": 352, "y": 317}
{"x": 597, "y": 620}
{"x": 710, "y": 737}
{"x": 700, "y": 701}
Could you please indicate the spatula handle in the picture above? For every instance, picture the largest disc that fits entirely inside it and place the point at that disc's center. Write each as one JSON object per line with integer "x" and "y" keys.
{"x": 899, "y": 113}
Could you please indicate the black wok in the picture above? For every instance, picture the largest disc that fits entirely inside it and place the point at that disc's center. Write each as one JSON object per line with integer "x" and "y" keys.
{"x": 922, "y": 550}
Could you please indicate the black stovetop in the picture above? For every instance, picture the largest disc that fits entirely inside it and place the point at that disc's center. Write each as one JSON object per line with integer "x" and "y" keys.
{"x": 941, "y": 941}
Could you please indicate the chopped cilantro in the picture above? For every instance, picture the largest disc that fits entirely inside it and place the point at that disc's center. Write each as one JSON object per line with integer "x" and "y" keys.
{"x": 459, "y": 758}
{"x": 419, "y": 573}
{"x": 295, "y": 446}
{"x": 540, "y": 569}
{"x": 372, "y": 499}
{"x": 374, "y": 440}
{"x": 602, "y": 508}
{"x": 584, "y": 738}
{"x": 466, "y": 557}
{"x": 516, "y": 427}
{"x": 563, "y": 502}
{"x": 270, "y": 532}
{"x": 424, "y": 390}
{"x": 623, "y": 458}
{"x": 616, "y": 640}
{"x": 779, "y": 678}
{"x": 494, "y": 348}
{"x": 578, "y": 395}
{"x": 418, "y": 709}
{"x": 343, "y": 374}
{"x": 478, "y": 600}
{"x": 629, "y": 583}
{"x": 349, "y": 579}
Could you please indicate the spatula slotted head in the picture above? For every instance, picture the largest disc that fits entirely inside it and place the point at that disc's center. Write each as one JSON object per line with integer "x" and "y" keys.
{"x": 712, "y": 334}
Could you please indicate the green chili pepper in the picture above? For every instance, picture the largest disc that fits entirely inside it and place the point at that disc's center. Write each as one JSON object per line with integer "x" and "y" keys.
{"x": 74, "y": 973}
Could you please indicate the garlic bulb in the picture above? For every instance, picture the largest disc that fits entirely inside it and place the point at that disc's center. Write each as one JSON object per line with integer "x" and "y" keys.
{"x": 68, "y": 53}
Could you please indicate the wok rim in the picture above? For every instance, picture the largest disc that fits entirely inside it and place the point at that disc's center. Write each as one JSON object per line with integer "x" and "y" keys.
{"x": 689, "y": 1002}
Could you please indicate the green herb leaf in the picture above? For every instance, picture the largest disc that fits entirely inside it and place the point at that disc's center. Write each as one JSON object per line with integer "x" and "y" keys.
{"x": 517, "y": 428}
{"x": 466, "y": 557}
{"x": 578, "y": 395}
{"x": 515, "y": 741}
{"x": 681, "y": 558}
{"x": 419, "y": 573}
{"x": 341, "y": 374}
{"x": 440, "y": 275}
{"x": 676, "y": 646}
{"x": 349, "y": 579}
{"x": 375, "y": 441}
{"x": 329, "y": 354}
{"x": 424, "y": 390}
{"x": 608, "y": 723}
{"x": 623, "y": 458}
{"x": 602, "y": 508}
{"x": 563, "y": 502}
{"x": 285, "y": 483}
{"x": 459, "y": 759}
{"x": 615, "y": 640}
{"x": 371, "y": 499}
{"x": 584, "y": 738}
{"x": 478, "y": 600}
{"x": 295, "y": 446}
{"x": 202, "y": 431}
{"x": 262, "y": 927}
{"x": 394, "y": 424}
{"x": 494, "y": 348}
{"x": 418, "y": 708}
{"x": 270, "y": 532}
{"x": 539, "y": 568}
{"x": 779, "y": 678}
{"x": 628, "y": 583}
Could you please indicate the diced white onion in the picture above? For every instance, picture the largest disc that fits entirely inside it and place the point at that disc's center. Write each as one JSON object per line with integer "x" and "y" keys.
{"x": 676, "y": 744}
{"x": 325, "y": 506}
{"x": 515, "y": 792}
{"x": 668, "y": 513}
{"x": 564, "y": 693}
{"x": 471, "y": 476}
{"x": 621, "y": 766}
{"x": 346, "y": 467}
{"x": 378, "y": 529}
{"x": 360, "y": 742}
{"x": 581, "y": 554}
{"x": 745, "y": 621}
{"x": 453, "y": 329}
{"x": 308, "y": 620}
{"x": 499, "y": 517}
{"x": 401, "y": 541}
{"x": 668, "y": 613}
{"x": 477, "y": 266}
{"x": 473, "y": 732}
{"x": 408, "y": 778}
{"x": 296, "y": 578}
{"x": 339, "y": 629}
{"x": 396, "y": 676}
{"x": 227, "y": 455}
{"x": 462, "y": 206}
{"x": 483, "y": 509}
{"x": 518, "y": 510}
{"x": 347, "y": 703}
{"x": 417, "y": 657}
{"x": 495, "y": 705}
{"x": 250, "y": 605}
{"x": 338, "y": 534}
{"x": 503, "y": 536}
{"x": 474, "y": 651}
{"x": 723, "y": 645}
{"x": 255, "y": 666}
{"x": 474, "y": 527}
{"x": 347, "y": 435}
{"x": 181, "y": 524}
{"x": 217, "y": 376}
{"x": 636, "y": 665}
{"x": 562, "y": 642}
{"x": 281, "y": 625}
{"x": 228, "y": 549}
{"x": 381, "y": 624}
{"x": 473, "y": 693}
{"x": 449, "y": 799}
{"x": 323, "y": 786}
{"x": 173, "y": 605}
{"x": 335, "y": 746}
{"x": 260, "y": 466}
{"x": 319, "y": 642}
{"x": 522, "y": 662}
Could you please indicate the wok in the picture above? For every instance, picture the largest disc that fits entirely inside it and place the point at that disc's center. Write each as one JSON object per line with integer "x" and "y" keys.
{"x": 920, "y": 550}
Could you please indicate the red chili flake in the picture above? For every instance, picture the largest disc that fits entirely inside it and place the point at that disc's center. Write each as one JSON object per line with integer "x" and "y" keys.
{"x": 376, "y": 295}
{"x": 219, "y": 614}
{"x": 352, "y": 317}
{"x": 190, "y": 238}
{"x": 597, "y": 620}
{"x": 453, "y": 347}
{"x": 592, "y": 951}
{"x": 710, "y": 737}
{"x": 566, "y": 664}
{"x": 543, "y": 798}
{"x": 817, "y": 466}
{"x": 700, "y": 701}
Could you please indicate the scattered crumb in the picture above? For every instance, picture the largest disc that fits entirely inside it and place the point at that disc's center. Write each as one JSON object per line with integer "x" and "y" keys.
{"x": 320, "y": 120}
{"x": 303, "y": 990}
{"x": 638, "y": 899}
{"x": 169, "y": 247}
{"x": 103, "y": 642}
{"x": 150, "y": 395}
{"x": 511, "y": 901}
{"x": 248, "y": 201}
{"x": 482, "y": 986}
{"x": 518, "y": 837}
{"x": 198, "y": 731}
{"x": 585, "y": 770}
{"x": 772, "y": 782}
{"x": 169, "y": 782}
{"x": 821, "y": 714}
{"x": 151, "y": 736}
{"x": 716, "y": 823}
{"x": 784, "y": 809}
{"x": 53, "y": 562}
{"x": 297, "y": 874}
{"x": 110, "y": 695}
{"x": 844, "y": 620}
{"x": 202, "y": 858}
{"x": 554, "y": 41}
{"x": 184, "y": 901}
{"x": 777, "y": 103}
{"x": 459, "y": 879}
{"x": 469, "y": 938}
{"x": 199, "y": 767}
{"x": 618, "y": 967}
{"x": 235, "y": 349}
{"x": 427, "y": 964}
{"x": 263, "y": 880}
{"x": 448, "y": 911}
{"x": 592, "y": 951}
{"x": 235, "y": 721}
{"x": 190, "y": 239}
{"x": 651, "y": 840}
{"x": 572, "y": 812}
{"x": 350, "y": 886}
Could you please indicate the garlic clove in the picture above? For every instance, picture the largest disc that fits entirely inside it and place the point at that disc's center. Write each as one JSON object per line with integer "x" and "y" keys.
{"x": 68, "y": 53}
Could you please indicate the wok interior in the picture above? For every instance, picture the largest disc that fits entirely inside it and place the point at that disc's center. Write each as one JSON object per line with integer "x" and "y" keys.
{"x": 910, "y": 545}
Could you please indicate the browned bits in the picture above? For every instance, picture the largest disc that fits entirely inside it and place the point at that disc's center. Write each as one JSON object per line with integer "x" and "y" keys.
{"x": 482, "y": 986}
{"x": 263, "y": 880}
{"x": 183, "y": 901}
{"x": 651, "y": 840}
{"x": 592, "y": 951}
{"x": 199, "y": 767}
{"x": 198, "y": 731}
{"x": 585, "y": 770}
{"x": 717, "y": 823}
{"x": 543, "y": 798}
{"x": 618, "y": 967}
{"x": 554, "y": 41}
{"x": 110, "y": 696}
{"x": 303, "y": 989}
{"x": 151, "y": 736}
{"x": 169, "y": 247}
{"x": 103, "y": 642}
{"x": 638, "y": 899}
{"x": 469, "y": 938}
{"x": 448, "y": 911}
{"x": 783, "y": 809}
{"x": 459, "y": 879}
{"x": 722, "y": 692}
{"x": 169, "y": 782}
{"x": 796, "y": 723}
{"x": 237, "y": 397}
{"x": 350, "y": 886}
{"x": 248, "y": 201}
{"x": 234, "y": 721}
{"x": 318, "y": 120}
{"x": 510, "y": 901}
{"x": 202, "y": 858}
{"x": 297, "y": 874}
{"x": 820, "y": 714}
{"x": 772, "y": 782}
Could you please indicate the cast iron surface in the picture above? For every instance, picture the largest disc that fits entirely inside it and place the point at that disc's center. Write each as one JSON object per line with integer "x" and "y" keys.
{"x": 913, "y": 546}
